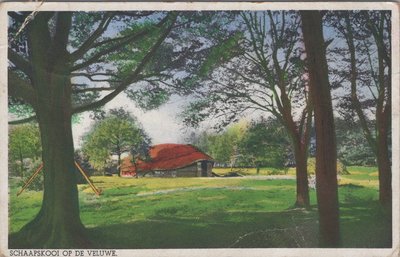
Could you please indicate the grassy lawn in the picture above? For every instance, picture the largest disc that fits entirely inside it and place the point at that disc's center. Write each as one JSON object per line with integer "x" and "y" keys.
{"x": 215, "y": 212}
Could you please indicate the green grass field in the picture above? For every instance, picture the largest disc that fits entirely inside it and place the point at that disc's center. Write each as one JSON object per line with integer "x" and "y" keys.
{"x": 215, "y": 212}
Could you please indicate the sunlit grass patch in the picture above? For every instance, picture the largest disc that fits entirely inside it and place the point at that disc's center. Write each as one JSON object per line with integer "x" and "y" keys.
{"x": 215, "y": 212}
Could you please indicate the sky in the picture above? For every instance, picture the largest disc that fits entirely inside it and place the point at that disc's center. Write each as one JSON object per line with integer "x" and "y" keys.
{"x": 162, "y": 124}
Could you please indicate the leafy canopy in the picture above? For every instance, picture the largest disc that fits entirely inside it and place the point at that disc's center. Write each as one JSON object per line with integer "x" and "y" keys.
{"x": 116, "y": 134}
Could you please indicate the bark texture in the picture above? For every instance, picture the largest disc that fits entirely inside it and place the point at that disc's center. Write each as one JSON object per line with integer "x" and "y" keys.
{"x": 58, "y": 223}
{"x": 302, "y": 192}
{"x": 327, "y": 188}
{"x": 300, "y": 139}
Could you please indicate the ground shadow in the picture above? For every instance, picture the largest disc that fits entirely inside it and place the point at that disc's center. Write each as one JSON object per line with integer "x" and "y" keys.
{"x": 293, "y": 228}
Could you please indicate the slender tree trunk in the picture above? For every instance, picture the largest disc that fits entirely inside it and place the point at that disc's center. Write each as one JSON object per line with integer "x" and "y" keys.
{"x": 383, "y": 159}
{"x": 119, "y": 164}
{"x": 302, "y": 192}
{"x": 383, "y": 120}
{"x": 300, "y": 148}
{"x": 327, "y": 189}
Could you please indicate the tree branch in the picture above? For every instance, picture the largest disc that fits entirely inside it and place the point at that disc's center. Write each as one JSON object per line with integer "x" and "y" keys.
{"x": 122, "y": 42}
{"x": 92, "y": 38}
{"x": 59, "y": 43}
{"x": 18, "y": 17}
{"x": 353, "y": 83}
{"x": 21, "y": 121}
{"x": 20, "y": 88}
{"x": 134, "y": 76}
{"x": 90, "y": 76}
{"x": 92, "y": 89}
{"x": 20, "y": 62}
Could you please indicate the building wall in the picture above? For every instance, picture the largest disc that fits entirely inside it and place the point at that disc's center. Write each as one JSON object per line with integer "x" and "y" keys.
{"x": 194, "y": 170}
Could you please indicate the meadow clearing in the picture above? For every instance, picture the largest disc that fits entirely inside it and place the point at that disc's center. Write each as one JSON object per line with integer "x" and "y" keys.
{"x": 216, "y": 212}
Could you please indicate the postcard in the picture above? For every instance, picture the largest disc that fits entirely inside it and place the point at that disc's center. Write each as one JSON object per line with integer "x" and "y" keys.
{"x": 199, "y": 129}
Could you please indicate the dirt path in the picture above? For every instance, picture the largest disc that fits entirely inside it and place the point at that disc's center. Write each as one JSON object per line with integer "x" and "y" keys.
{"x": 259, "y": 177}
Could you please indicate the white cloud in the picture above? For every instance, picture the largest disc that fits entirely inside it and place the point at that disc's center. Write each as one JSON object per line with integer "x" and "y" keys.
{"x": 161, "y": 124}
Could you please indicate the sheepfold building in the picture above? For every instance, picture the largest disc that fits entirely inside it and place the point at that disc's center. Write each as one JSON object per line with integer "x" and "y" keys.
{"x": 170, "y": 160}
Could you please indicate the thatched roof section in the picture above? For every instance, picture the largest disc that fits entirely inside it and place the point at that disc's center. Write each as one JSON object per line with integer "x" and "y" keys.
{"x": 166, "y": 157}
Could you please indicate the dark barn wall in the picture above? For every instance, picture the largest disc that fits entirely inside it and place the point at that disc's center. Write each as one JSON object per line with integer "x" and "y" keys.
{"x": 198, "y": 169}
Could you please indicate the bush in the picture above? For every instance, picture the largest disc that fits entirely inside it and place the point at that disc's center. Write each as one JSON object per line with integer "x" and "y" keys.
{"x": 341, "y": 168}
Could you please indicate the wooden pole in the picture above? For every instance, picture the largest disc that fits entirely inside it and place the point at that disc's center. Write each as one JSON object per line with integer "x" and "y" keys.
{"x": 34, "y": 175}
{"x": 29, "y": 181}
{"x": 97, "y": 192}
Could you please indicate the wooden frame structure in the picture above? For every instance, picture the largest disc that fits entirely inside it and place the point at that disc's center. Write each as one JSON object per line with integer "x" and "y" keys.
{"x": 34, "y": 175}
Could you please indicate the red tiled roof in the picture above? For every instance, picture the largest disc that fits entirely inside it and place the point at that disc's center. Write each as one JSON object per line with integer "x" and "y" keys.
{"x": 166, "y": 157}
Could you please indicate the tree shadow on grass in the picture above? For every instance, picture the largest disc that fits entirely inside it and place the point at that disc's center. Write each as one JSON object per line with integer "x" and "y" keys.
{"x": 364, "y": 222}
{"x": 214, "y": 230}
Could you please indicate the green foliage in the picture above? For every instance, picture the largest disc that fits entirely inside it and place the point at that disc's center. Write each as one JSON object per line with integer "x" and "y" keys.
{"x": 265, "y": 144}
{"x": 149, "y": 98}
{"x": 24, "y": 143}
{"x": 82, "y": 26}
{"x": 221, "y": 53}
{"x": 341, "y": 168}
{"x": 19, "y": 109}
{"x": 353, "y": 148}
{"x": 116, "y": 134}
{"x": 131, "y": 55}
{"x": 255, "y": 144}
{"x": 196, "y": 111}
{"x": 223, "y": 147}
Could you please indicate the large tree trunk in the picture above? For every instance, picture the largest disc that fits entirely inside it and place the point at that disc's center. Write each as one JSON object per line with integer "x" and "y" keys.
{"x": 58, "y": 223}
{"x": 327, "y": 188}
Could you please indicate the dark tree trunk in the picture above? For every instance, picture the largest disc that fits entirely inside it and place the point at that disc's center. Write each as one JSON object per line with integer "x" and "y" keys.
{"x": 119, "y": 164}
{"x": 302, "y": 194}
{"x": 58, "y": 223}
{"x": 384, "y": 164}
{"x": 300, "y": 140}
{"x": 383, "y": 120}
{"x": 300, "y": 148}
{"x": 327, "y": 188}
